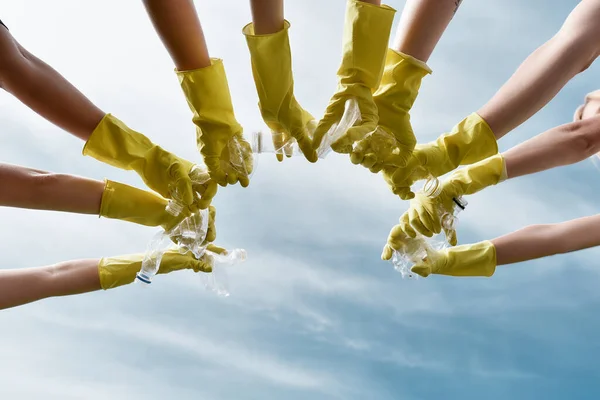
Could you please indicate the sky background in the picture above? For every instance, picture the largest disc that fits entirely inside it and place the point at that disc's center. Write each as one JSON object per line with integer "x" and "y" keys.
{"x": 314, "y": 312}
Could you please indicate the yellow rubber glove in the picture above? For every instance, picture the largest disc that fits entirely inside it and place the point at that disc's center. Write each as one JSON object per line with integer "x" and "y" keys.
{"x": 426, "y": 212}
{"x": 121, "y": 270}
{"x": 114, "y": 143}
{"x": 127, "y": 203}
{"x": 477, "y": 259}
{"x": 366, "y": 35}
{"x": 272, "y": 70}
{"x": 398, "y": 240}
{"x": 394, "y": 98}
{"x": 227, "y": 155}
{"x": 471, "y": 140}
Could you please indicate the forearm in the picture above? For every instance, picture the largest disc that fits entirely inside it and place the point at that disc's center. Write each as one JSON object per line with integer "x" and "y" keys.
{"x": 267, "y": 16}
{"x": 44, "y": 90}
{"x": 546, "y": 71}
{"x": 22, "y": 286}
{"x": 179, "y": 28}
{"x": 30, "y": 188}
{"x": 421, "y": 26}
{"x": 563, "y": 145}
{"x": 537, "y": 241}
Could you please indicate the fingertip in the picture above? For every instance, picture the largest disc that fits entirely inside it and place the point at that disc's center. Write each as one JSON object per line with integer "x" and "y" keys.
{"x": 244, "y": 181}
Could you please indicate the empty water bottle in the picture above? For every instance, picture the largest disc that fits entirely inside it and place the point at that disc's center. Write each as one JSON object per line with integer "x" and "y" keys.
{"x": 280, "y": 143}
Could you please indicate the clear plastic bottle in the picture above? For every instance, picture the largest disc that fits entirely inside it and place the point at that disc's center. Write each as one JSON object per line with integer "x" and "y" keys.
{"x": 276, "y": 142}
{"x": 217, "y": 281}
{"x": 188, "y": 235}
{"x": 448, "y": 218}
{"x": 415, "y": 250}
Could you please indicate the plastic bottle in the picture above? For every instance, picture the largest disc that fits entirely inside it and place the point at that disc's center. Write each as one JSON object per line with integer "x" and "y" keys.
{"x": 448, "y": 218}
{"x": 415, "y": 250}
{"x": 264, "y": 142}
{"x": 217, "y": 281}
{"x": 188, "y": 235}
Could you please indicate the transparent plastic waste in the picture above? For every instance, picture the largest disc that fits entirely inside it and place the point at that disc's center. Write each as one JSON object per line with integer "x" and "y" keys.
{"x": 415, "y": 250}
{"x": 188, "y": 235}
{"x": 448, "y": 217}
{"x": 241, "y": 157}
{"x": 385, "y": 145}
{"x": 279, "y": 143}
{"x": 217, "y": 281}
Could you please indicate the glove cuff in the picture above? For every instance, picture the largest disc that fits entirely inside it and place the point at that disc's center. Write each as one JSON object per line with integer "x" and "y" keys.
{"x": 366, "y": 36}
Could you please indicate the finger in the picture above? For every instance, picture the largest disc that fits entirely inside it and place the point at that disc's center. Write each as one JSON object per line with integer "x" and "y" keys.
{"x": 406, "y": 226}
{"x": 207, "y": 192}
{"x": 345, "y": 144}
{"x": 376, "y": 168}
{"x": 422, "y": 270}
{"x": 369, "y": 161}
{"x": 213, "y": 164}
{"x": 427, "y": 220}
{"x": 359, "y": 151}
{"x": 451, "y": 236}
{"x": 244, "y": 180}
{"x": 184, "y": 191}
{"x": 211, "y": 233}
{"x": 333, "y": 113}
{"x": 306, "y": 147}
{"x": 204, "y": 265}
{"x": 404, "y": 192}
{"x": 419, "y": 227}
{"x": 387, "y": 253}
{"x": 216, "y": 249}
{"x": 232, "y": 178}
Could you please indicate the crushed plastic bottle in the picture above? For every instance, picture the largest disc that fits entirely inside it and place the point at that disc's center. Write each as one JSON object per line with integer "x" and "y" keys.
{"x": 188, "y": 235}
{"x": 217, "y": 281}
{"x": 448, "y": 218}
{"x": 415, "y": 250}
{"x": 278, "y": 143}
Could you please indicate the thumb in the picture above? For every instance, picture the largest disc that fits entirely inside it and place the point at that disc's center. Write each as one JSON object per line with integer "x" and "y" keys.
{"x": 332, "y": 115}
{"x": 451, "y": 236}
{"x": 427, "y": 266}
{"x": 213, "y": 164}
{"x": 183, "y": 189}
{"x": 387, "y": 253}
{"x": 216, "y": 249}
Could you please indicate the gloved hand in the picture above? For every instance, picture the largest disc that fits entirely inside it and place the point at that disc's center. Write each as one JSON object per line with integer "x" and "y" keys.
{"x": 272, "y": 70}
{"x": 121, "y": 270}
{"x": 366, "y": 35}
{"x": 114, "y": 143}
{"x": 227, "y": 155}
{"x": 477, "y": 259}
{"x": 394, "y": 98}
{"x": 471, "y": 140}
{"x": 399, "y": 240}
{"x": 426, "y": 212}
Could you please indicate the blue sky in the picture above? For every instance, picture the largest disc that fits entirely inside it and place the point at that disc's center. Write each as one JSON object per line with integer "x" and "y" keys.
{"x": 314, "y": 313}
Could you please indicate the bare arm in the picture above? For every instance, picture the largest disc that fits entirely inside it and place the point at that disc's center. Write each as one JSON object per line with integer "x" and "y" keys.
{"x": 546, "y": 71}
{"x": 537, "y": 241}
{"x": 30, "y": 188}
{"x": 44, "y": 90}
{"x": 22, "y": 286}
{"x": 421, "y": 26}
{"x": 179, "y": 28}
{"x": 267, "y": 16}
{"x": 563, "y": 145}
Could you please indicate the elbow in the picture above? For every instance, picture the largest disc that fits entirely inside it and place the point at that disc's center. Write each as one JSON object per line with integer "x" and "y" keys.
{"x": 584, "y": 137}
